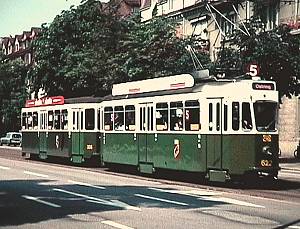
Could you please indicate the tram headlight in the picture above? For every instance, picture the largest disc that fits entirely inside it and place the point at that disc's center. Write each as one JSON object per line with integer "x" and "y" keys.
{"x": 267, "y": 150}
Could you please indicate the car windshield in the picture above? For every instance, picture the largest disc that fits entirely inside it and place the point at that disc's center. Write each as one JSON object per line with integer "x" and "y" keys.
{"x": 16, "y": 136}
{"x": 265, "y": 115}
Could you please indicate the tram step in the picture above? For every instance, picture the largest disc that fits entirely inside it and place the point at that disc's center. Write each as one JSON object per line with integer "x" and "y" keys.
{"x": 146, "y": 168}
{"x": 217, "y": 175}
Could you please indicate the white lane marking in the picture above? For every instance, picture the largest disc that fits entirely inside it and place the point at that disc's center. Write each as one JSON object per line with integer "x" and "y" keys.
{"x": 189, "y": 192}
{"x": 85, "y": 184}
{"x": 4, "y": 167}
{"x": 100, "y": 201}
{"x": 230, "y": 201}
{"x": 36, "y": 199}
{"x": 294, "y": 227}
{"x": 36, "y": 174}
{"x": 162, "y": 200}
{"x": 286, "y": 174}
{"x": 116, "y": 225}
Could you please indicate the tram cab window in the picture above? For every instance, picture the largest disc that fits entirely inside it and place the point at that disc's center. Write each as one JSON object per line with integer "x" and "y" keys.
{"x": 130, "y": 117}
{"x": 64, "y": 119}
{"x": 192, "y": 115}
{"x": 235, "y": 116}
{"x": 57, "y": 119}
{"x": 50, "y": 120}
{"x": 24, "y": 121}
{"x": 29, "y": 120}
{"x": 90, "y": 119}
{"x": 161, "y": 115}
{"x": 108, "y": 118}
{"x": 119, "y": 118}
{"x": 246, "y": 117}
{"x": 176, "y": 112}
{"x": 35, "y": 120}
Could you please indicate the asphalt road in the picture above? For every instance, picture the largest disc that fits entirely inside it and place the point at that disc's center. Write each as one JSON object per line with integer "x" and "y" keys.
{"x": 36, "y": 194}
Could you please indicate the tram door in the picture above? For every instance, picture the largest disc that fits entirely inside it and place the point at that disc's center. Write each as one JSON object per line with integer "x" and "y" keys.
{"x": 145, "y": 126}
{"x": 77, "y": 126}
{"x": 43, "y": 128}
{"x": 214, "y": 138}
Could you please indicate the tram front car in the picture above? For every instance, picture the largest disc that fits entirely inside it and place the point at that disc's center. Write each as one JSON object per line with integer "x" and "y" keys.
{"x": 266, "y": 142}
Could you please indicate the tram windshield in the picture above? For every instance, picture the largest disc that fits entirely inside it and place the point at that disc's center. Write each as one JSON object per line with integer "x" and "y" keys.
{"x": 265, "y": 115}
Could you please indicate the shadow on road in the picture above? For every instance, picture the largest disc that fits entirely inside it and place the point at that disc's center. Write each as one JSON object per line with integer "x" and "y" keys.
{"x": 23, "y": 201}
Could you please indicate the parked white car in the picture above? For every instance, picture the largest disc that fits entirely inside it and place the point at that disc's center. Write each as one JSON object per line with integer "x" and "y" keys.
{"x": 11, "y": 138}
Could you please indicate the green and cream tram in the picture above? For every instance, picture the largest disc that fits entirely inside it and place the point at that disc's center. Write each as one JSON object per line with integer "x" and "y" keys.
{"x": 219, "y": 128}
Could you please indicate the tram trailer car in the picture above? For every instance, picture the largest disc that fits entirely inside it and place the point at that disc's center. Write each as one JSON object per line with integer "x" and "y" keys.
{"x": 61, "y": 127}
{"x": 223, "y": 129}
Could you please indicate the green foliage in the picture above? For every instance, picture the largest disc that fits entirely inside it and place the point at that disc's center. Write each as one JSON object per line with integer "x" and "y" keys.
{"x": 13, "y": 93}
{"x": 277, "y": 53}
{"x": 86, "y": 50}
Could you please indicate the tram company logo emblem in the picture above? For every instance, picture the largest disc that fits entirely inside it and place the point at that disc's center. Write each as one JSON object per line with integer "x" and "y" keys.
{"x": 57, "y": 141}
{"x": 176, "y": 150}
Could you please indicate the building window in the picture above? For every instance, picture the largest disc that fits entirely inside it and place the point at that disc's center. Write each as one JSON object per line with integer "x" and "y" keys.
{"x": 227, "y": 27}
{"x": 270, "y": 16}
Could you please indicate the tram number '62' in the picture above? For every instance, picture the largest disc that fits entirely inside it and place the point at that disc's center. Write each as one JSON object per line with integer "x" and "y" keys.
{"x": 266, "y": 163}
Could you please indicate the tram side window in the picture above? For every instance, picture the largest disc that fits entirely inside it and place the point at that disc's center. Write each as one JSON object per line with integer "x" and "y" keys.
{"x": 64, "y": 119}
{"x": 119, "y": 118}
{"x": 235, "y": 115}
{"x": 192, "y": 115}
{"x": 35, "y": 120}
{"x": 176, "y": 110}
{"x": 98, "y": 118}
{"x": 90, "y": 119}
{"x": 225, "y": 117}
{"x": 29, "y": 120}
{"x": 246, "y": 116}
{"x": 24, "y": 121}
{"x": 50, "y": 120}
{"x": 161, "y": 116}
{"x": 130, "y": 117}
{"x": 57, "y": 119}
{"x": 108, "y": 118}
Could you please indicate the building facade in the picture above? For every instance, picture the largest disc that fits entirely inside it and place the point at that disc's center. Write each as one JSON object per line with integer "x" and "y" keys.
{"x": 20, "y": 46}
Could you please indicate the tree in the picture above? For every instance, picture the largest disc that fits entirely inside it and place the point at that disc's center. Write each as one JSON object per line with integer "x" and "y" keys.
{"x": 151, "y": 50}
{"x": 276, "y": 51}
{"x": 72, "y": 53}
{"x": 86, "y": 50}
{"x": 13, "y": 93}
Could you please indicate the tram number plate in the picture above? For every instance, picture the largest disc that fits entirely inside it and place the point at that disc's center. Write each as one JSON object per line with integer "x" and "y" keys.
{"x": 266, "y": 163}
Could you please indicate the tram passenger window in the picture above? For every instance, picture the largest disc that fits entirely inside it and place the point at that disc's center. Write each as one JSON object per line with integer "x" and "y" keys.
{"x": 129, "y": 117}
{"x": 29, "y": 120}
{"x": 24, "y": 121}
{"x": 192, "y": 115}
{"x": 98, "y": 119}
{"x": 235, "y": 116}
{"x": 225, "y": 117}
{"x": 210, "y": 117}
{"x": 176, "y": 109}
{"x": 119, "y": 118}
{"x": 64, "y": 119}
{"x": 90, "y": 119}
{"x": 218, "y": 117}
{"x": 50, "y": 120}
{"x": 161, "y": 116}
{"x": 108, "y": 118}
{"x": 42, "y": 121}
{"x": 57, "y": 119}
{"x": 35, "y": 120}
{"x": 246, "y": 117}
